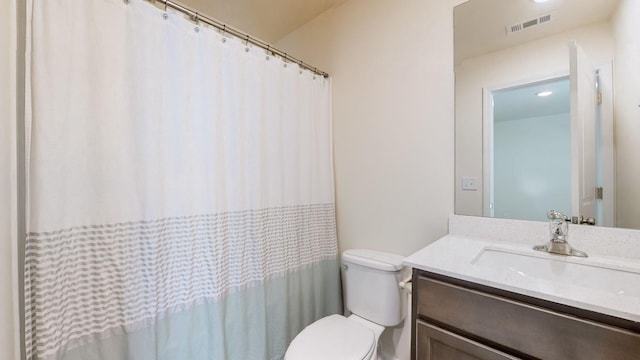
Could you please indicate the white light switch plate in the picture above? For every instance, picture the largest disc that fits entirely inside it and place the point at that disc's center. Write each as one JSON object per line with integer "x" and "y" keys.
{"x": 470, "y": 183}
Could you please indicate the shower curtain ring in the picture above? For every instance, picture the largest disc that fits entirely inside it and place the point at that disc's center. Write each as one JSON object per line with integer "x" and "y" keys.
{"x": 195, "y": 20}
{"x": 224, "y": 33}
{"x": 166, "y": 14}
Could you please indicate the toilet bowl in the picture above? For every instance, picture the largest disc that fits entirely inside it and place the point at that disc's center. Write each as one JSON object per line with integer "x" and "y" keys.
{"x": 372, "y": 295}
{"x": 338, "y": 338}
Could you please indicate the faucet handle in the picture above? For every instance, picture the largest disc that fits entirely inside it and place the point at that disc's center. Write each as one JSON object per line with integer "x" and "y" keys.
{"x": 558, "y": 226}
{"x": 557, "y": 215}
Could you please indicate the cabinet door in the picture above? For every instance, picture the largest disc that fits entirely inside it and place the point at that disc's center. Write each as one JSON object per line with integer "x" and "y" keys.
{"x": 538, "y": 332}
{"x": 434, "y": 343}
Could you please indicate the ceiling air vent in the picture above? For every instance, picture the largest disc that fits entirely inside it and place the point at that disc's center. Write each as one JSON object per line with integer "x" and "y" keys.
{"x": 529, "y": 23}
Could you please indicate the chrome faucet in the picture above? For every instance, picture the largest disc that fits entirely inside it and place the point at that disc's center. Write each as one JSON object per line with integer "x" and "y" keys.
{"x": 559, "y": 230}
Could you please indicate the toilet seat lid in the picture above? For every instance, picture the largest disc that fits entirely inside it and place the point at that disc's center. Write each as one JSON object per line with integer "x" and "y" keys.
{"x": 332, "y": 337}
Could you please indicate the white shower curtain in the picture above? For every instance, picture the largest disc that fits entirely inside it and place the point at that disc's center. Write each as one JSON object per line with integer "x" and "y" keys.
{"x": 180, "y": 189}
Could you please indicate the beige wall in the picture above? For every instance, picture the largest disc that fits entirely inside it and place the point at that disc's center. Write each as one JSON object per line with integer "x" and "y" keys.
{"x": 530, "y": 61}
{"x": 626, "y": 27}
{"x": 391, "y": 66}
{"x": 8, "y": 334}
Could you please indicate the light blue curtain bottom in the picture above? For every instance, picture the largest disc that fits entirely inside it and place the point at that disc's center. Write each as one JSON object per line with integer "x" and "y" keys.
{"x": 254, "y": 323}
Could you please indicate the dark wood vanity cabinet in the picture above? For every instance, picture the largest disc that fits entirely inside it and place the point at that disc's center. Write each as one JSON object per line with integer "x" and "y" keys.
{"x": 437, "y": 343}
{"x": 458, "y": 320}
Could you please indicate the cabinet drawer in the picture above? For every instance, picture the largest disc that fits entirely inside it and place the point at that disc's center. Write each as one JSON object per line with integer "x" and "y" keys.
{"x": 521, "y": 327}
{"x": 438, "y": 344}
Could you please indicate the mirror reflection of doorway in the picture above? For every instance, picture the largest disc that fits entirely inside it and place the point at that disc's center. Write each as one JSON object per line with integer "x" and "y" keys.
{"x": 532, "y": 150}
{"x": 536, "y": 135}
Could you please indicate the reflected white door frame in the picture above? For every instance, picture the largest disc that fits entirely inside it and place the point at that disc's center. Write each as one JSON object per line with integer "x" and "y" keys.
{"x": 607, "y": 149}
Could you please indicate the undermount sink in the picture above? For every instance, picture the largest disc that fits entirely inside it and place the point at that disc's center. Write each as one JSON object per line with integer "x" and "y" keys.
{"x": 589, "y": 274}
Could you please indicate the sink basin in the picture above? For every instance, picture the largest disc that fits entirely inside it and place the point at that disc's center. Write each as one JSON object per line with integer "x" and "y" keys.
{"x": 583, "y": 273}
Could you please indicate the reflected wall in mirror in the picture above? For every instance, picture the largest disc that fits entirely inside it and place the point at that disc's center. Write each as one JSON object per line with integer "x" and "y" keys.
{"x": 501, "y": 44}
{"x": 531, "y": 162}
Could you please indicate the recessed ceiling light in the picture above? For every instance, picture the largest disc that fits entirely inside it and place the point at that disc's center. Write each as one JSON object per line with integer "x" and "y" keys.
{"x": 544, "y": 93}
{"x": 539, "y": 1}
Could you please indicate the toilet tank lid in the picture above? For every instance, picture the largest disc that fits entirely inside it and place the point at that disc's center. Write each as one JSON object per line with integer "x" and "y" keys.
{"x": 373, "y": 259}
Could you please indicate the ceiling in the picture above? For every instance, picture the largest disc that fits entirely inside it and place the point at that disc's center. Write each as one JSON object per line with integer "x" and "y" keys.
{"x": 268, "y": 20}
{"x": 480, "y": 25}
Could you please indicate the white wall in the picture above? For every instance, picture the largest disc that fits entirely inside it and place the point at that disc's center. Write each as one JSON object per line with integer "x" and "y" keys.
{"x": 8, "y": 334}
{"x": 392, "y": 72}
{"x": 530, "y": 61}
{"x": 391, "y": 66}
{"x": 626, "y": 27}
{"x": 532, "y": 167}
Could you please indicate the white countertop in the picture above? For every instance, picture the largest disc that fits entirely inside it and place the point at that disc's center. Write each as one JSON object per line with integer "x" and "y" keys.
{"x": 454, "y": 256}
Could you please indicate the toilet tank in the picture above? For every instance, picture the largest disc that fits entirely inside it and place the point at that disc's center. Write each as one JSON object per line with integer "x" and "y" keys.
{"x": 371, "y": 285}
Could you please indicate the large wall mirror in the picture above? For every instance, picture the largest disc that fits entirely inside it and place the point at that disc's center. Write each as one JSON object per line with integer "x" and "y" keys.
{"x": 548, "y": 109}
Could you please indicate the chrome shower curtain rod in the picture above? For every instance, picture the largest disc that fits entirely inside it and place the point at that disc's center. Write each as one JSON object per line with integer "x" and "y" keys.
{"x": 197, "y": 17}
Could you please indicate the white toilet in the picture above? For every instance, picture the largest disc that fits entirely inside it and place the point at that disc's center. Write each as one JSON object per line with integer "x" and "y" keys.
{"x": 375, "y": 300}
